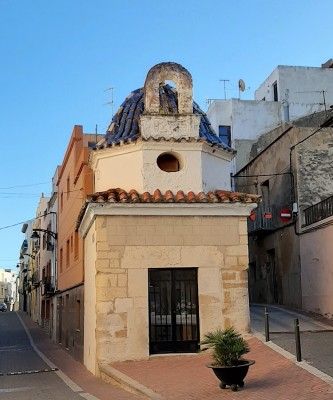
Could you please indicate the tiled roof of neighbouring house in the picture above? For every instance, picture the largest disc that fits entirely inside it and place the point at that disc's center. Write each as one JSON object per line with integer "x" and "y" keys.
{"x": 125, "y": 128}
{"x": 216, "y": 196}
{"x": 121, "y": 196}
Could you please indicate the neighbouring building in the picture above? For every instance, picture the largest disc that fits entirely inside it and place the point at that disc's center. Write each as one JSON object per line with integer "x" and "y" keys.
{"x": 44, "y": 240}
{"x": 288, "y": 251}
{"x": 290, "y": 92}
{"x": 316, "y": 254}
{"x": 37, "y": 267}
{"x": 41, "y": 253}
{"x": 8, "y": 288}
{"x": 75, "y": 181}
{"x": 165, "y": 240}
{"x": 26, "y": 266}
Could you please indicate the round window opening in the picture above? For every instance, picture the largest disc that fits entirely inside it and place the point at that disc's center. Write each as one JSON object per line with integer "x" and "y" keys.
{"x": 168, "y": 162}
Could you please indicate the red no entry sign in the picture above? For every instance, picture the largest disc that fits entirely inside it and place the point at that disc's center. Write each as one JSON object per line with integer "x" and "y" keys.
{"x": 285, "y": 215}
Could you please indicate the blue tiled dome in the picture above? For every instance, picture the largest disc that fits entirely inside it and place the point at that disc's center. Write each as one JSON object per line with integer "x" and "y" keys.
{"x": 124, "y": 127}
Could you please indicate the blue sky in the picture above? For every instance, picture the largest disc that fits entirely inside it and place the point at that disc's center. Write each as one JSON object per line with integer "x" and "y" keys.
{"x": 59, "y": 57}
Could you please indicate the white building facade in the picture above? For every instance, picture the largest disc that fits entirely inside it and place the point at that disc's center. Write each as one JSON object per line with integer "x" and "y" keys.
{"x": 287, "y": 94}
{"x": 8, "y": 288}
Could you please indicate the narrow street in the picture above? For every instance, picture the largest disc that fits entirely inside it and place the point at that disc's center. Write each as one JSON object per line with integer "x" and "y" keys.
{"x": 22, "y": 368}
{"x": 316, "y": 335}
{"x": 27, "y": 374}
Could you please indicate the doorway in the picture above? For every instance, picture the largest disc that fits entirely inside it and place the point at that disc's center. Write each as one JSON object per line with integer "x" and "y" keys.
{"x": 173, "y": 310}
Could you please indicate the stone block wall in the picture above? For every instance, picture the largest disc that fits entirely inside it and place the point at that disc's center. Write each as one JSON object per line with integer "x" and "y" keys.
{"x": 127, "y": 246}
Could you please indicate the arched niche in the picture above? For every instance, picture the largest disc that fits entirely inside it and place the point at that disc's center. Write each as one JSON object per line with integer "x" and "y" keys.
{"x": 158, "y": 75}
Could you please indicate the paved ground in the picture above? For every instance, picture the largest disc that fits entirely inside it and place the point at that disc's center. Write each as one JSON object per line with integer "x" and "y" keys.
{"x": 282, "y": 320}
{"x": 273, "y": 376}
{"x": 316, "y": 334}
{"x": 17, "y": 353}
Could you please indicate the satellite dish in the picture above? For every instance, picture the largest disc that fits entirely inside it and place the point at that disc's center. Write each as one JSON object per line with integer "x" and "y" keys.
{"x": 241, "y": 85}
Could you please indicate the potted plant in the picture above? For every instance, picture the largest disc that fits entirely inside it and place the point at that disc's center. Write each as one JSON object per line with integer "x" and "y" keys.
{"x": 228, "y": 346}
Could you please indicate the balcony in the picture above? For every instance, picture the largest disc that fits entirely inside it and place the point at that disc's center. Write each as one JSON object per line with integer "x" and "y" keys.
{"x": 35, "y": 279}
{"x": 261, "y": 220}
{"x": 48, "y": 285}
{"x": 319, "y": 211}
{"x": 24, "y": 246}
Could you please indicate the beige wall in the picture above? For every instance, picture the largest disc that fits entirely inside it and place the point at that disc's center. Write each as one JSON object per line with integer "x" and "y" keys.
{"x": 119, "y": 250}
{"x": 90, "y": 301}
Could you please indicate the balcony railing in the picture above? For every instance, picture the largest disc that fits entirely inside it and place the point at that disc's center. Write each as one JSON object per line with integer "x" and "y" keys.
{"x": 35, "y": 279}
{"x": 49, "y": 284}
{"x": 24, "y": 246}
{"x": 261, "y": 219}
{"x": 319, "y": 211}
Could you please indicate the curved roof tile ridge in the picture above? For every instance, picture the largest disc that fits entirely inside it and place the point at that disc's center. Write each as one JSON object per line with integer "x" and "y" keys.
{"x": 133, "y": 196}
{"x": 124, "y": 127}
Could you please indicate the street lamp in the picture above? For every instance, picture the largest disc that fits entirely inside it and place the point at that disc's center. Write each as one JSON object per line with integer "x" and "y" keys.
{"x": 36, "y": 236}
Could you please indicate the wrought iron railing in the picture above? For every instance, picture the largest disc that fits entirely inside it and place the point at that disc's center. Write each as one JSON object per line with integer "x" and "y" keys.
{"x": 49, "y": 284}
{"x": 24, "y": 246}
{"x": 318, "y": 211}
{"x": 35, "y": 278}
{"x": 261, "y": 219}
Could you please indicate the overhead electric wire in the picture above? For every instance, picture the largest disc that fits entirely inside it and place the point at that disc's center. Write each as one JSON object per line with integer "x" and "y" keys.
{"x": 19, "y": 186}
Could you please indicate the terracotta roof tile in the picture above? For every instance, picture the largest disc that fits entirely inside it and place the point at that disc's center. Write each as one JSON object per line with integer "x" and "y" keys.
{"x": 191, "y": 197}
{"x": 145, "y": 197}
{"x": 218, "y": 196}
{"x": 158, "y": 197}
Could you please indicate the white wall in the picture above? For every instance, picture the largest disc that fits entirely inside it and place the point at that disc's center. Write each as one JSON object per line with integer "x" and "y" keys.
{"x": 317, "y": 270}
{"x": 135, "y": 167}
{"x": 301, "y": 87}
{"x": 248, "y": 118}
{"x": 215, "y": 173}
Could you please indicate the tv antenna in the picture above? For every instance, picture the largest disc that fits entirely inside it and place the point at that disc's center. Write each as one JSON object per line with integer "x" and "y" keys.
{"x": 224, "y": 81}
{"x": 110, "y": 102}
{"x": 241, "y": 86}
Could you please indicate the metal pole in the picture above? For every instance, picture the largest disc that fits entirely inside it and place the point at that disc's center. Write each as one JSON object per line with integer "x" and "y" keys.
{"x": 266, "y": 324}
{"x": 297, "y": 340}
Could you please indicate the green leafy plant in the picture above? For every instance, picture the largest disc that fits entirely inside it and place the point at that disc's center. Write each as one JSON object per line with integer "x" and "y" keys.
{"x": 227, "y": 346}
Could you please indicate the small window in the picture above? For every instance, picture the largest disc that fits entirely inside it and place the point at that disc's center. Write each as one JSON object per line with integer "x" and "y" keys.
{"x": 67, "y": 253}
{"x": 62, "y": 201}
{"x": 68, "y": 187}
{"x": 168, "y": 162}
{"x": 225, "y": 134}
{"x": 78, "y": 316}
{"x": 72, "y": 246}
{"x": 265, "y": 193}
{"x": 61, "y": 260}
{"x": 76, "y": 244}
{"x": 275, "y": 92}
{"x": 92, "y": 145}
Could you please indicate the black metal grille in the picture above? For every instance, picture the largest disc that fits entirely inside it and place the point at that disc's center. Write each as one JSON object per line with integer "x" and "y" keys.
{"x": 173, "y": 310}
{"x": 319, "y": 211}
{"x": 262, "y": 219}
{"x": 48, "y": 281}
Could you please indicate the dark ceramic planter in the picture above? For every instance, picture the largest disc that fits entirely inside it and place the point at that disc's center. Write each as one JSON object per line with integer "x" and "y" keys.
{"x": 232, "y": 376}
